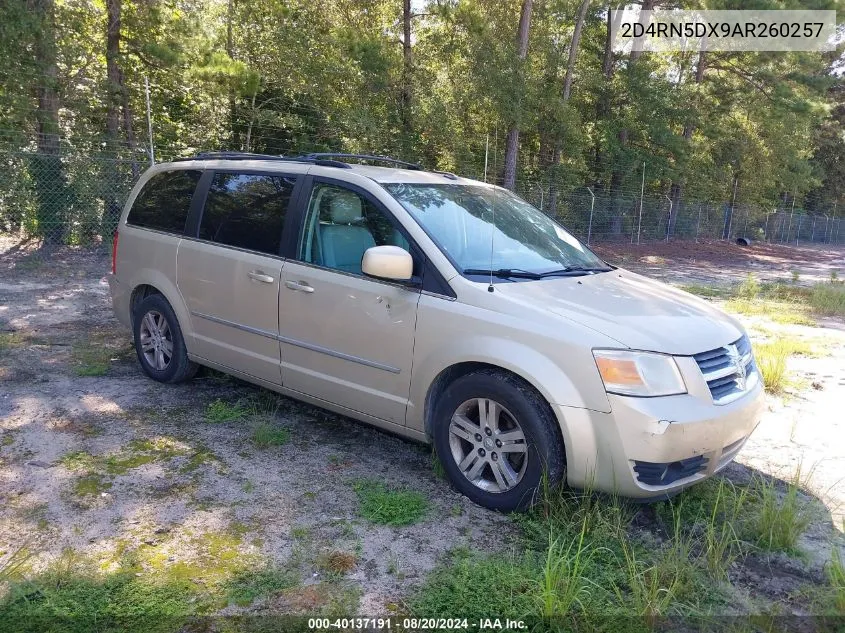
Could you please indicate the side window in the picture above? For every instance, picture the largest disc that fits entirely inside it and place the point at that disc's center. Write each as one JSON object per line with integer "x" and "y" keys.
{"x": 247, "y": 210}
{"x": 340, "y": 226}
{"x": 165, "y": 200}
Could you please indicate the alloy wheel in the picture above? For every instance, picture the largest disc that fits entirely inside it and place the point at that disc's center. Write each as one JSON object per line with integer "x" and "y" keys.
{"x": 156, "y": 340}
{"x": 488, "y": 445}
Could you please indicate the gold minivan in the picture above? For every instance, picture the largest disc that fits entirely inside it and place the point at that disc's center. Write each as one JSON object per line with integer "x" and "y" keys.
{"x": 443, "y": 309}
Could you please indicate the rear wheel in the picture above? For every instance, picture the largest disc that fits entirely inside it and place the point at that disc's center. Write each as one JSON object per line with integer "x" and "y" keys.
{"x": 159, "y": 343}
{"x": 495, "y": 437}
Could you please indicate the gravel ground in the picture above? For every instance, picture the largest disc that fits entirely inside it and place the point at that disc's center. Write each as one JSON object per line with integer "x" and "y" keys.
{"x": 291, "y": 502}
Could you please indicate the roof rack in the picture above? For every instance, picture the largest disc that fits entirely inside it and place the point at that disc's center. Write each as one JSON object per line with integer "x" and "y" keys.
{"x": 223, "y": 155}
{"x": 318, "y": 156}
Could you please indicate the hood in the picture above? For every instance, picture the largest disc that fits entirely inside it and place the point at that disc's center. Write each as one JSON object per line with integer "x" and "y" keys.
{"x": 636, "y": 311}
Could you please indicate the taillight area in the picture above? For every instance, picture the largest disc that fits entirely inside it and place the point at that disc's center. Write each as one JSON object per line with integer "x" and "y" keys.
{"x": 114, "y": 254}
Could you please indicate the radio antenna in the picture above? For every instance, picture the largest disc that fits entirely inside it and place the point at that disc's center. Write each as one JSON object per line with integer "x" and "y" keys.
{"x": 492, "y": 237}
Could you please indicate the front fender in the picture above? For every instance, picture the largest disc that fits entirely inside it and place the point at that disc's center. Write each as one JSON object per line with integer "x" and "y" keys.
{"x": 550, "y": 363}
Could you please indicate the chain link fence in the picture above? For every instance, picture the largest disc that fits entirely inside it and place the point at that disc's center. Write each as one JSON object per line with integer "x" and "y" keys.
{"x": 74, "y": 197}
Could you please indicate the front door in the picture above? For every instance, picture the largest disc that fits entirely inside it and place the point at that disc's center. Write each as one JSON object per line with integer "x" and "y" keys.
{"x": 229, "y": 274}
{"x": 346, "y": 338}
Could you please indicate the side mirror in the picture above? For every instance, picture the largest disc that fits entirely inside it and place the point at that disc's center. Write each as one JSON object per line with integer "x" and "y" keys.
{"x": 388, "y": 262}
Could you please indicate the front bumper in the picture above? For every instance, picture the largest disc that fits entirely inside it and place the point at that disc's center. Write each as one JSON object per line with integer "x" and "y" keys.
{"x": 654, "y": 447}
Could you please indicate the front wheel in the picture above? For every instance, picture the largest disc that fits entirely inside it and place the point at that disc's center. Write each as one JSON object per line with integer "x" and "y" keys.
{"x": 496, "y": 437}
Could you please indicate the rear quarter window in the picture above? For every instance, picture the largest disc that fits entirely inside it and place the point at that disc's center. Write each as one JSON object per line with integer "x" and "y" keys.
{"x": 165, "y": 201}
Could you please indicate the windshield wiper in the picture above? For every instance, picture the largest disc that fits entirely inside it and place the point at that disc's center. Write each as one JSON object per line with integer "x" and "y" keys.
{"x": 574, "y": 269}
{"x": 504, "y": 273}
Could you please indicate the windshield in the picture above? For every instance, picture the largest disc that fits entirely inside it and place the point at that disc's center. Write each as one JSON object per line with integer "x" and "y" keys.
{"x": 465, "y": 219}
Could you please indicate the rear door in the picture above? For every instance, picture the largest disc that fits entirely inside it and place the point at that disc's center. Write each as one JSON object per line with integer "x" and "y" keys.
{"x": 229, "y": 270}
{"x": 346, "y": 338}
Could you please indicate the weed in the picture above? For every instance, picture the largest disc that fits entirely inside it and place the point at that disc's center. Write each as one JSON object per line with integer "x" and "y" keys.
{"x": 795, "y": 276}
{"x": 244, "y": 587}
{"x": 650, "y": 589}
{"x": 475, "y": 586}
{"x": 11, "y": 340}
{"x": 382, "y": 505}
{"x": 771, "y": 361}
{"x": 14, "y": 564}
{"x": 836, "y": 577}
{"x": 300, "y": 533}
{"x": 437, "y": 465}
{"x": 562, "y": 584}
{"x": 828, "y": 299}
{"x": 78, "y": 461}
{"x": 90, "y": 359}
{"x": 265, "y": 435}
{"x": 73, "y": 598}
{"x": 337, "y": 563}
{"x": 710, "y": 292}
{"x": 91, "y": 485}
{"x": 218, "y": 412}
{"x": 749, "y": 289}
{"x": 780, "y": 519}
{"x": 200, "y": 456}
{"x": 722, "y": 544}
{"x": 834, "y": 276}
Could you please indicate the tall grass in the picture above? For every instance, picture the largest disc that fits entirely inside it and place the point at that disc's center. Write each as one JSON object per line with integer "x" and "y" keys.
{"x": 781, "y": 517}
{"x": 563, "y": 583}
{"x": 721, "y": 542}
{"x": 771, "y": 361}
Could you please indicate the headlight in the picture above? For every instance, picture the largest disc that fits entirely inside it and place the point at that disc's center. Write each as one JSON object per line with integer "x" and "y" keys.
{"x": 639, "y": 373}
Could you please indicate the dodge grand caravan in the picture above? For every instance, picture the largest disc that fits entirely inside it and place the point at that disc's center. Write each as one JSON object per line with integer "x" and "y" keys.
{"x": 443, "y": 309}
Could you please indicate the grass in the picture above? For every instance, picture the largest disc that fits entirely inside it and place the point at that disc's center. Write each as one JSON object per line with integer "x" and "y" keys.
{"x": 835, "y": 570}
{"x": 14, "y": 564}
{"x": 771, "y": 361}
{"x": 11, "y": 340}
{"x": 389, "y": 506}
{"x": 786, "y": 303}
{"x": 219, "y": 412}
{"x": 247, "y": 586}
{"x": 266, "y": 434}
{"x": 582, "y": 559}
{"x": 781, "y": 517}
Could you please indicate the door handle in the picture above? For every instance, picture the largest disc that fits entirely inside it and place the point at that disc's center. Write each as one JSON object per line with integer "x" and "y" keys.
{"x": 299, "y": 285}
{"x": 257, "y": 275}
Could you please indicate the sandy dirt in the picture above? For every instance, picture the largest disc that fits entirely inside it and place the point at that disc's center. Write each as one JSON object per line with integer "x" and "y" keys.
{"x": 290, "y": 503}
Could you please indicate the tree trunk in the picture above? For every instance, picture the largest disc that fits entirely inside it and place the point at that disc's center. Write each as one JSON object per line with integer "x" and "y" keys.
{"x": 676, "y": 191}
{"x": 616, "y": 177}
{"x": 46, "y": 165}
{"x": 118, "y": 110}
{"x": 567, "y": 91}
{"x": 637, "y": 50}
{"x": 407, "y": 76}
{"x": 512, "y": 140}
{"x": 573, "y": 48}
{"x": 230, "y": 51}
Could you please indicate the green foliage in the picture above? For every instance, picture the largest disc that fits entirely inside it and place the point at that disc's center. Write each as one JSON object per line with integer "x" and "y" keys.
{"x": 288, "y": 76}
{"x": 219, "y": 411}
{"x": 389, "y": 506}
{"x": 781, "y": 516}
{"x": 265, "y": 435}
{"x": 244, "y": 587}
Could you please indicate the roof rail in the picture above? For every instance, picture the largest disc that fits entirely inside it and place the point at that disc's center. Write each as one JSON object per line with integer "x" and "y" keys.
{"x": 320, "y": 156}
{"x": 224, "y": 155}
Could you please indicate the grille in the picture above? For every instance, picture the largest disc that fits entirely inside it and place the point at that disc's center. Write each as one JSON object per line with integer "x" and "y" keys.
{"x": 662, "y": 474}
{"x": 729, "y": 371}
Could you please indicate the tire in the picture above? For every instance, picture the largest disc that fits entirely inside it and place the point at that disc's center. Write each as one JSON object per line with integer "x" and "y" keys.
{"x": 517, "y": 408}
{"x": 159, "y": 343}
